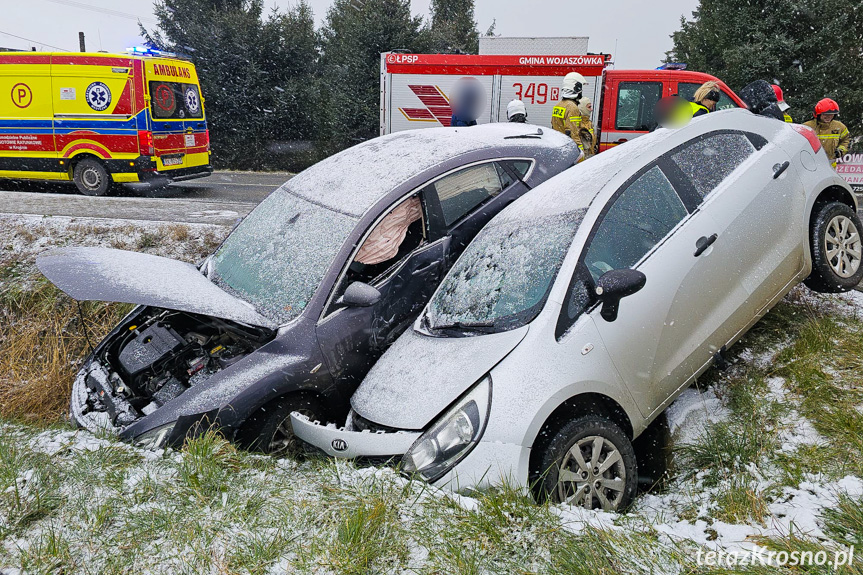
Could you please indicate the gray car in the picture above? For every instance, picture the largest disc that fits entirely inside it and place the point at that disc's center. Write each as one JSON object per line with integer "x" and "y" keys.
{"x": 299, "y": 301}
{"x": 584, "y": 309}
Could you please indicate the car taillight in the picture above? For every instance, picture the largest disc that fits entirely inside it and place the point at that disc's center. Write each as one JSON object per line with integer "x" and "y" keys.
{"x": 809, "y": 134}
{"x": 208, "y": 139}
{"x": 145, "y": 143}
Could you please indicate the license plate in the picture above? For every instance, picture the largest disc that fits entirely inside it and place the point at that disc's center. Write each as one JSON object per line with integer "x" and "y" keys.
{"x": 175, "y": 161}
{"x": 190, "y": 140}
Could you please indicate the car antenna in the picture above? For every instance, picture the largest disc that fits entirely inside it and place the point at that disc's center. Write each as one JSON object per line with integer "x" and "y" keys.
{"x": 536, "y": 134}
{"x": 84, "y": 326}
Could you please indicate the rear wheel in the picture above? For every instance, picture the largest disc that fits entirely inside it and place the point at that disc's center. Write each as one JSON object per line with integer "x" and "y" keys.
{"x": 589, "y": 463}
{"x": 91, "y": 177}
{"x": 836, "y": 249}
{"x": 269, "y": 430}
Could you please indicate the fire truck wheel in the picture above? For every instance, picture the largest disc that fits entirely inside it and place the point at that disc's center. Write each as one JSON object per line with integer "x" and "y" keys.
{"x": 91, "y": 177}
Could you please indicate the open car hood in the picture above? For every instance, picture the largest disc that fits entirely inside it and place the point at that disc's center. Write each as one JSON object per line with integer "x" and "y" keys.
{"x": 105, "y": 274}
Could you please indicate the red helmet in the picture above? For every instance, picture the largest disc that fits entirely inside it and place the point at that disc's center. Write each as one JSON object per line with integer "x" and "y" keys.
{"x": 826, "y": 106}
{"x": 778, "y": 91}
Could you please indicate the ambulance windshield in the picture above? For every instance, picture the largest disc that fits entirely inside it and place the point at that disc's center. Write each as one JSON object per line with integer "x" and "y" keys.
{"x": 276, "y": 258}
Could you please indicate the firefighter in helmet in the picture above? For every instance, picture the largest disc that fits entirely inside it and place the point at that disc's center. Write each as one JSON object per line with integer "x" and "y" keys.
{"x": 516, "y": 112}
{"x": 705, "y": 99}
{"x": 833, "y": 134}
{"x": 780, "y": 100}
{"x": 566, "y": 116}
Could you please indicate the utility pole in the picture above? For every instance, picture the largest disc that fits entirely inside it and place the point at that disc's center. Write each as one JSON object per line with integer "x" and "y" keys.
{"x": 81, "y": 41}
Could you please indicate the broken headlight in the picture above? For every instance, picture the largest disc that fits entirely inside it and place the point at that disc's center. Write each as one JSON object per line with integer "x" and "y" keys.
{"x": 452, "y": 437}
{"x": 156, "y": 437}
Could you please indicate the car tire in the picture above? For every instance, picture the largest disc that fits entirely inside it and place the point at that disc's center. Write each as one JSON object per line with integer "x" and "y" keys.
{"x": 587, "y": 484}
{"x": 835, "y": 243}
{"x": 91, "y": 177}
{"x": 268, "y": 430}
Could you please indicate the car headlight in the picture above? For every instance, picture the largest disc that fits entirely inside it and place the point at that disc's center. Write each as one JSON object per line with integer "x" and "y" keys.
{"x": 155, "y": 438}
{"x": 452, "y": 437}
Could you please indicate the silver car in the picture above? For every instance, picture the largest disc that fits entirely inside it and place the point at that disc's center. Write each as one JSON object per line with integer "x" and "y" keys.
{"x": 586, "y": 307}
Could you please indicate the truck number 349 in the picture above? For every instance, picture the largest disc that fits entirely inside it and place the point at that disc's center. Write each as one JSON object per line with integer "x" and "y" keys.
{"x": 536, "y": 93}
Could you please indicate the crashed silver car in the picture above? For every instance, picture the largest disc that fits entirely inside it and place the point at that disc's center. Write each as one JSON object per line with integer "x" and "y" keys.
{"x": 299, "y": 301}
{"x": 584, "y": 309}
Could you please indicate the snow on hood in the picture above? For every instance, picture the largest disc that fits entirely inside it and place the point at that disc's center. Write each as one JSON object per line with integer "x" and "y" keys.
{"x": 104, "y": 274}
{"x": 419, "y": 376}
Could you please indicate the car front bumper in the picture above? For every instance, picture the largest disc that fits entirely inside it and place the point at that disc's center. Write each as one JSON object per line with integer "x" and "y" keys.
{"x": 92, "y": 421}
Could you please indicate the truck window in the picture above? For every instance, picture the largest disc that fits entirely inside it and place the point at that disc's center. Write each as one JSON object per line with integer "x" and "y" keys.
{"x": 172, "y": 100}
{"x": 687, "y": 90}
{"x": 635, "y": 103}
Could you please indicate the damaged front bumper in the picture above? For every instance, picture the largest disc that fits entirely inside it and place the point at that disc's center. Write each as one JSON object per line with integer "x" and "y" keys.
{"x": 340, "y": 442}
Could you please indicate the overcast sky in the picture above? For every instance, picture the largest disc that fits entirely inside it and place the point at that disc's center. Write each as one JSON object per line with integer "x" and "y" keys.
{"x": 640, "y": 30}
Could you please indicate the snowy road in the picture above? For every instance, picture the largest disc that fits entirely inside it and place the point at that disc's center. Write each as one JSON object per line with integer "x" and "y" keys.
{"x": 221, "y": 199}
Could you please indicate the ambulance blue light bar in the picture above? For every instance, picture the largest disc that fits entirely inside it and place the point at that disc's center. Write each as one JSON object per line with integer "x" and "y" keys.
{"x": 145, "y": 51}
{"x": 673, "y": 66}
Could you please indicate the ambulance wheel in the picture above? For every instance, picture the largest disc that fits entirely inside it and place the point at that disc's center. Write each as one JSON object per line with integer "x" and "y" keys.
{"x": 91, "y": 177}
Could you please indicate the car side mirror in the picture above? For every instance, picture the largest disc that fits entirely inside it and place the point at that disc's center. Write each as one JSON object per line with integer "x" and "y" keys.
{"x": 614, "y": 285}
{"x": 359, "y": 294}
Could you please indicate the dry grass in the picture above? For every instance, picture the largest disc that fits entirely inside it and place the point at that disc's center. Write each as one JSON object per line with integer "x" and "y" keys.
{"x": 42, "y": 344}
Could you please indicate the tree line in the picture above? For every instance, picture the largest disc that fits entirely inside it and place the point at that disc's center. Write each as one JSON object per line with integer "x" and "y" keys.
{"x": 281, "y": 94}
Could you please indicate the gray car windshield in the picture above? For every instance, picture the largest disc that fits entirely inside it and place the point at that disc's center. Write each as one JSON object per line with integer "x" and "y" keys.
{"x": 503, "y": 278}
{"x": 276, "y": 258}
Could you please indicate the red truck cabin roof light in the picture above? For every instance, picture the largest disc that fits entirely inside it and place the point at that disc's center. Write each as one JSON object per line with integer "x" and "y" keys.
{"x": 809, "y": 134}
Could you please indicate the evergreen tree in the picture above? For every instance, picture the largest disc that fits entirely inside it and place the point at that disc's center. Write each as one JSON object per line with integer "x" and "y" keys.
{"x": 257, "y": 76}
{"x": 354, "y": 35}
{"x": 453, "y": 28}
{"x": 812, "y": 48}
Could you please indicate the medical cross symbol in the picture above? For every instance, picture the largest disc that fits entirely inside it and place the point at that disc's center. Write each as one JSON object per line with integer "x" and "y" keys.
{"x": 98, "y": 96}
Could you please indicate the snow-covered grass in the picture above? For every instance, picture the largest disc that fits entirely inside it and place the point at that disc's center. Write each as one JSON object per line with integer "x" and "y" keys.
{"x": 767, "y": 453}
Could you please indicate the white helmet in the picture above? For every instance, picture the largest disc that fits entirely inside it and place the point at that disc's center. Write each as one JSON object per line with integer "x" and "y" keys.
{"x": 573, "y": 83}
{"x": 515, "y": 107}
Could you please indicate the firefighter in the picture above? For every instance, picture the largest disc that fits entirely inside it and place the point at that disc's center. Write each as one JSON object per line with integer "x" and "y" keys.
{"x": 705, "y": 99}
{"x": 586, "y": 132}
{"x": 566, "y": 117}
{"x": 780, "y": 100}
{"x": 833, "y": 134}
{"x": 516, "y": 112}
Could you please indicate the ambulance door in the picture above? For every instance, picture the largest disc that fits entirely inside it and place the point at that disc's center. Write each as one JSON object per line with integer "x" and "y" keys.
{"x": 194, "y": 127}
{"x": 26, "y": 117}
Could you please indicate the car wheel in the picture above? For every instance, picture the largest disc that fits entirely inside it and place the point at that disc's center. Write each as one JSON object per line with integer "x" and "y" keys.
{"x": 269, "y": 429}
{"x": 836, "y": 249}
{"x": 589, "y": 463}
{"x": 91, "y": 177}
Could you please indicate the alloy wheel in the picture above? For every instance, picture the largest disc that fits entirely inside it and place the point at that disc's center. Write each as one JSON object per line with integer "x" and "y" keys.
{"x": 842, "y": 246}
{"x": 592, "y": 474}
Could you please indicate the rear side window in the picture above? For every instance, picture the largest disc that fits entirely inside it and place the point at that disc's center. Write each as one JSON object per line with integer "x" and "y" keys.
{"x": 710, "y": 160}
{"x": 461, "y": 192}
{"x": 688, "y": 91}
{"x": 521, "y": 167}
{"x": 172, "y": 100}
{"x": 639, "y": 219}
{"x": 635, "y": 103}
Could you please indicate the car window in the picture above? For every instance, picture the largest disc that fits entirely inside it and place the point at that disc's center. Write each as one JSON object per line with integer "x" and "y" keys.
{"x": 708, "y": 161}
{"x": 639, "y": 219}
{"x": 172, "y": 100}
{"x": 579, "y": 297}
{"x": 635, "y": 103}
{"x": 687, "y": 90}
{"x": 521, "y": 167}
{"x": 460, "y": 192}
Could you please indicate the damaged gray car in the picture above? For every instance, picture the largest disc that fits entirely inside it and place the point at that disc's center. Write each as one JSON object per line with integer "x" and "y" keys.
{"x": 300, "y": 300}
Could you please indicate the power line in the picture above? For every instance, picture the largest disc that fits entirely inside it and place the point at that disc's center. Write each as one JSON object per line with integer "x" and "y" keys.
{"x": 106, "y": 11}
{"x": 32, "y": 41}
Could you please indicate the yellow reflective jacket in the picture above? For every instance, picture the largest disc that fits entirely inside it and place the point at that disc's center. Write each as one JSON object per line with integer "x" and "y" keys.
{"x": 588, "y": 137}
{"x": 566, "y": 116}
{"x": 834, "y": 137}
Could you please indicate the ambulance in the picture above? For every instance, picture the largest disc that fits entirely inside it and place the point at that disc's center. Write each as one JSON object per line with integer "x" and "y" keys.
{"x": 101, "y": 119}
{"x": 415, "y": 90}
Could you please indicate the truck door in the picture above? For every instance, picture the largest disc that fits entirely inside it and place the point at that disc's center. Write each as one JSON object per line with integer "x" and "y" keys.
{"x": 628, "y": 110}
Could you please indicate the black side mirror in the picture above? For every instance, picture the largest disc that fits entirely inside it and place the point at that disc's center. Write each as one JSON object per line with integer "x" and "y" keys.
{"x": 359, "y": 294}
{"x": 614, "y": 285}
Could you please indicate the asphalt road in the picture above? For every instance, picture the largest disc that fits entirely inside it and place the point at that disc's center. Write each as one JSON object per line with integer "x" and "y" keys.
{"x": 218, "y": 199}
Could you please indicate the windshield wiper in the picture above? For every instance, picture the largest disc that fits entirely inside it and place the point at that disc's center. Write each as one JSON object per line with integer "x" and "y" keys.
{"x": 536, "y": 134}
{"x": 462, "y": 325}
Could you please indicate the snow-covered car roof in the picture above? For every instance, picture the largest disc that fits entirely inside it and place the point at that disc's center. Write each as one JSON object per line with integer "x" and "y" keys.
{"x": 354, "y": 180}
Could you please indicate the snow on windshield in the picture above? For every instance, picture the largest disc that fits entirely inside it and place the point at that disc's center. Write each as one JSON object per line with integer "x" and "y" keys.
{"x": 278, "y": 255}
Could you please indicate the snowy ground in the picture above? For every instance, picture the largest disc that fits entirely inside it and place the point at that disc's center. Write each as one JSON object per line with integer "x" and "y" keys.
{"x": 766, "y": 458}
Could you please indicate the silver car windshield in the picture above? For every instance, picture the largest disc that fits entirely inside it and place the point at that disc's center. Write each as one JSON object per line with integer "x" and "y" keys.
{"x": 503, "y": 278}
{"x": 276, "y": 258}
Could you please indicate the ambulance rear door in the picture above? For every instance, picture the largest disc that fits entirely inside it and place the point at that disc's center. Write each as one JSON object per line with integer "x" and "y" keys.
{"x": 177, "y": 112}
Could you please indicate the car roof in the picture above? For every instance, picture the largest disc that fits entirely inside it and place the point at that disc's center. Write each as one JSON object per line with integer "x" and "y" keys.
{"x": 354, "y": 180}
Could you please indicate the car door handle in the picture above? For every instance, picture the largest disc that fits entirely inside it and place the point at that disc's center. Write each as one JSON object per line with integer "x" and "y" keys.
{"x": 418, "y": 271}
{"x": 703, "y": 243}
{"x": 778, "y": 169}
